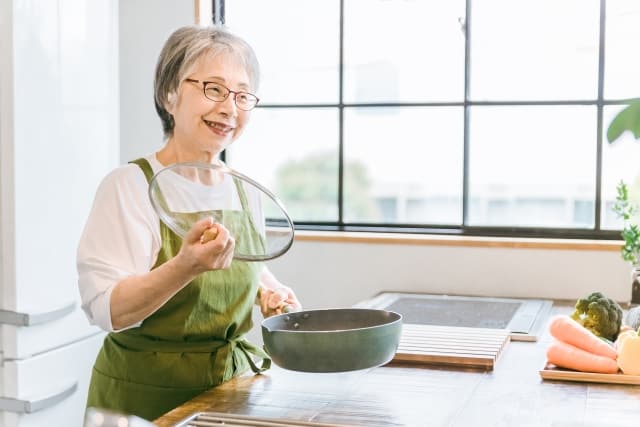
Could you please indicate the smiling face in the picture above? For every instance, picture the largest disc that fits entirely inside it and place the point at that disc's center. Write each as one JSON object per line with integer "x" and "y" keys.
{"x": 203, "y": 128}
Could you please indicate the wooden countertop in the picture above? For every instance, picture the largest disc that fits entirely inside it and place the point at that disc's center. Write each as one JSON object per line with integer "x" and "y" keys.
{"x": 513, "y": 394}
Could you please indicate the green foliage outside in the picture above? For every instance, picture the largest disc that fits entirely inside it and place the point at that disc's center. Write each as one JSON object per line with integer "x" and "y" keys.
{"x": 309, "y": 188}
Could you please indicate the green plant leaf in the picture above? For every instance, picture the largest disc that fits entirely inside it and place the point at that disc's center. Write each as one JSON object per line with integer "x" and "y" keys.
{"x": 626, "y": 120}
{"x": 630, "y": 233}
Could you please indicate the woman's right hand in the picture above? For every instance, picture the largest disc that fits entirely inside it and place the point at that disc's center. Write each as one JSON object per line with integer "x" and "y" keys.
{"x": 201, "y": 256}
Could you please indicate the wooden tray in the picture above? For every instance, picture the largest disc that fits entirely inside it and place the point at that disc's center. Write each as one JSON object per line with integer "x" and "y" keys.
{"x": 449, "y": 345}
{"x": 551, "y": 372}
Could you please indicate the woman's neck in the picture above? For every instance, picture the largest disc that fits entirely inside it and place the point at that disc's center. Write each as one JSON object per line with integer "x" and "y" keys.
{"x": 174, "y": 153}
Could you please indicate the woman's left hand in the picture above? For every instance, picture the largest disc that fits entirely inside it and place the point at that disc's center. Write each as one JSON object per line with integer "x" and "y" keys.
{"x": 277, "y": 301}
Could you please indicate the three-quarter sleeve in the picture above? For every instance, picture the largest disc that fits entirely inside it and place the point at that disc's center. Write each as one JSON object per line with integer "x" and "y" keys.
{"x": 121, "y": 238}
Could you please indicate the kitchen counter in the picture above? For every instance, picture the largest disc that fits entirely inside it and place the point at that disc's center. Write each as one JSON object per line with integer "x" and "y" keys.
{"x": 513, "y": 394}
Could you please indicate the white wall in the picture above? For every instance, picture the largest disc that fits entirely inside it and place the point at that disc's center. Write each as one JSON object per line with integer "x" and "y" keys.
{"x": 144, "y": 27}
{"x": 327, "y": 274}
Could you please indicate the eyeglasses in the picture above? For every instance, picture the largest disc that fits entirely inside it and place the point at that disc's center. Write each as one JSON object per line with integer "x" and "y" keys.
{"x": 218, "y": 93}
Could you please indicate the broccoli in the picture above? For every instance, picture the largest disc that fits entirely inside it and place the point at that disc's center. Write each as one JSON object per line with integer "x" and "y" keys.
{"x": 599, "y": 314}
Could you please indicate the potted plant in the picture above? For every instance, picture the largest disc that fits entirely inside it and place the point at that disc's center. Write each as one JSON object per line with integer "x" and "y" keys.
{"x": 627, "y": 210}
{"x": 628, "y": 120}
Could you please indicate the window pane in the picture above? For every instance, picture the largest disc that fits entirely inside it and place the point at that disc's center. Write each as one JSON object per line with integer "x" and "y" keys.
{"x": 403, "y": 165}
{"x": 403, "y": 51}
{"x": 534, "y": 50}
{"x": 294, "y": 153}
{"x": 297, "y": 43}
{"x": 532, "y": 166}
{"x": 619, "y": 162}
{"x": 621, "y": 51}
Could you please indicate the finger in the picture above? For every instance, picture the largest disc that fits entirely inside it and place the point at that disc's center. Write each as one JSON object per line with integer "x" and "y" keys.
{"x": 293, "y": 303}
{"x": 263, "y": 308}
{"x": 289, "y": 305}
{"x": 294, "y": 306}
{"x": 220, "y": 240}
{"x": 274, "y": 298}
{"x": 197, "y": 229}
{"x": 228, "y": 259}
{"x": 225, "y": 256}
{"x": 229, "y": 246}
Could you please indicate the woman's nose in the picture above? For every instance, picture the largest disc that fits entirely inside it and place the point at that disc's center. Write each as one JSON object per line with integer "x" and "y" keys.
{"x": 228, "y": 106}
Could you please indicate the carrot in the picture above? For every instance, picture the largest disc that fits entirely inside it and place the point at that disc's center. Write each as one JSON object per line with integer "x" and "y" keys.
{"x": 564, "y": 328}
{"x": 568, "y": 356}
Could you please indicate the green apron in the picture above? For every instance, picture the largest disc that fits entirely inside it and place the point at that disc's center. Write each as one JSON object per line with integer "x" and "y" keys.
{"x": 193, "y": 342}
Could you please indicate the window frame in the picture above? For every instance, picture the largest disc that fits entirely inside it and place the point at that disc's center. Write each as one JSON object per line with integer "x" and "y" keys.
{"x": 594, "y": 233}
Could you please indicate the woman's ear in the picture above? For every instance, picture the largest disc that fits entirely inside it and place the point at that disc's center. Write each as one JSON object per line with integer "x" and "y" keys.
{"x": 170, "y": 105}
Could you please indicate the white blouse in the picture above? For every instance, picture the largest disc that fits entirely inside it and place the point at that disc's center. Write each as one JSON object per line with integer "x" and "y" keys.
{"x": 121, "y": 237}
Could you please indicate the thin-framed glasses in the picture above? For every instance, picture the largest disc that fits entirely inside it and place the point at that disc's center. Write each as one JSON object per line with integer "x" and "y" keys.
{"x": 218, "y": 92}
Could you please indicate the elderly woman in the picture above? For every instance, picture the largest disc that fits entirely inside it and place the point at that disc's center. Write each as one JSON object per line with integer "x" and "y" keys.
{"x": 176, "y": 309}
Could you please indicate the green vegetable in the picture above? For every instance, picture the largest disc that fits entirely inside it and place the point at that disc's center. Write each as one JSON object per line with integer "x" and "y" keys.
{"x": 599, "y": 314}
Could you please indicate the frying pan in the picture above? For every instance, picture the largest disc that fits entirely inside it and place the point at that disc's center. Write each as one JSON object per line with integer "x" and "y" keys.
{"x": 332, "y": 340}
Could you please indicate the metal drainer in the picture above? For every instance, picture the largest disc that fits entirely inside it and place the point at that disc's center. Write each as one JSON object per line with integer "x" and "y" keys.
{"x": 216, "y": 419}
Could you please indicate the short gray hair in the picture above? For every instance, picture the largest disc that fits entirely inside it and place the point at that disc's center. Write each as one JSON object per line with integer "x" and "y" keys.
{"x": 183, "y": 49}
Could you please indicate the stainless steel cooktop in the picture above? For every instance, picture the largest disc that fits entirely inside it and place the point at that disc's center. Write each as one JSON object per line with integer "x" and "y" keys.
{"x": 523, "y": 318}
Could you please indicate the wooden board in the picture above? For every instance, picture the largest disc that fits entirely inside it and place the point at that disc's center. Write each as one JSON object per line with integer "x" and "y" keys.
{"x": 450, "y": 345}
{"x": 550, "y": 372}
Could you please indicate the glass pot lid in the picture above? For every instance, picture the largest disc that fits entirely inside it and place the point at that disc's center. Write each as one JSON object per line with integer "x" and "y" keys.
{"x": 185, "y": 193}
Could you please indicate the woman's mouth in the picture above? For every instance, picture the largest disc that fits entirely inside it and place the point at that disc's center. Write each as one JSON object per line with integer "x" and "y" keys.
{"x": 219, "y": 128}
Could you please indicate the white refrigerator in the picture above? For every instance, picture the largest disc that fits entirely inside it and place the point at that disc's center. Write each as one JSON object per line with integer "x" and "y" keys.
{"x": 59, "y": 135}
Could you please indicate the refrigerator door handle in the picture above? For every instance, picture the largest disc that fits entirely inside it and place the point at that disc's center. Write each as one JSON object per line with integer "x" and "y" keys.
{"x": 29, "y": 319}
{"x": 28, "y": 406}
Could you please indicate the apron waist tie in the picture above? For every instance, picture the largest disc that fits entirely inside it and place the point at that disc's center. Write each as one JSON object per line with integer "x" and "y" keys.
{"x": 248, "y": 349}
{"x": 147, "y": 343}
{"x": 234, "y": 346}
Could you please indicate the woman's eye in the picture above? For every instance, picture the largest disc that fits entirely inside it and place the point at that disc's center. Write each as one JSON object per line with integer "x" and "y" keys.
{"x": 242, "y": 97}
{"x": 214, "y": 90}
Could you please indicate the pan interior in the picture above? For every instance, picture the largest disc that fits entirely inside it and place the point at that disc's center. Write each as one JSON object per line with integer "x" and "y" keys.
{"x": 331, "y": 320}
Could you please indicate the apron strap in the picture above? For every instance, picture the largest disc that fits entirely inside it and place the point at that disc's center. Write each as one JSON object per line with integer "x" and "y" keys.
{"x": 242, "y": 195}
{"x": 145, "y": 166}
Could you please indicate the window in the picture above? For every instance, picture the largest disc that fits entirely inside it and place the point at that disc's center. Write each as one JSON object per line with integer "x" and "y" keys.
{"x": 457, "y": 116}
